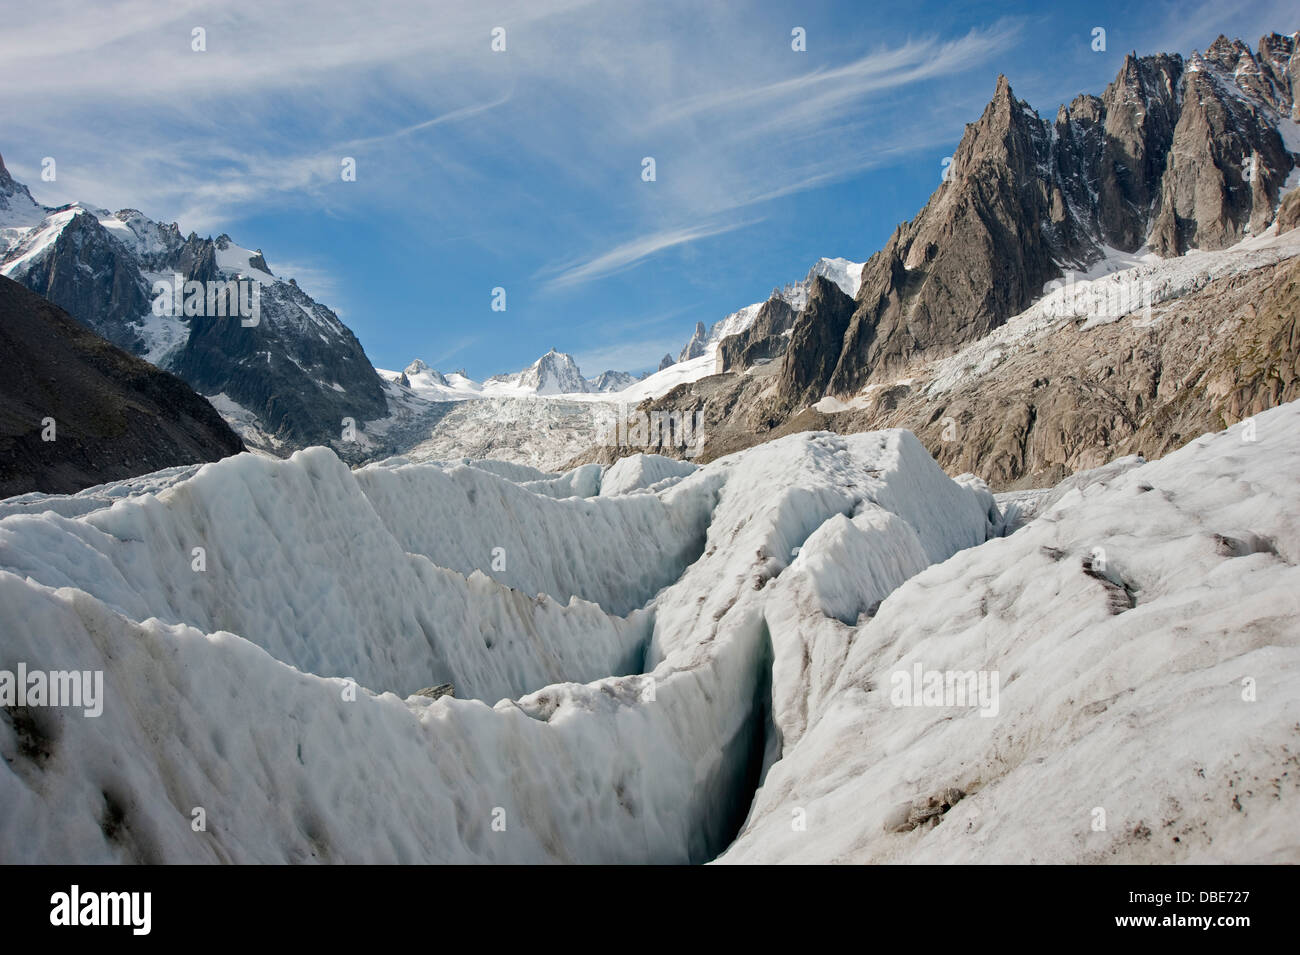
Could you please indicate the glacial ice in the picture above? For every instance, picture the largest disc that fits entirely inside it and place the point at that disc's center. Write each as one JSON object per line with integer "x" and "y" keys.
{"x": 1161, "y": 733}
{"x": 666, "y": 663}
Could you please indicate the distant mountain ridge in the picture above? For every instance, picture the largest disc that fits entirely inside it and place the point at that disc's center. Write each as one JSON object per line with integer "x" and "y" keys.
{"x": 609, "y": 381}
{"x": 555, "y": 373}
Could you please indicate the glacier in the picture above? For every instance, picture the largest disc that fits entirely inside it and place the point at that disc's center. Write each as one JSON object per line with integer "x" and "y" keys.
{"x": 658, "y": 662}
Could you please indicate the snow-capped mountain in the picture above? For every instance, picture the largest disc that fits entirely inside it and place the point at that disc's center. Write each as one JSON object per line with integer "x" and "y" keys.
{"x": 285, "y": 377}
{"x": 418, "y": 371}
{"x": 1172, "y": 156}
{"x": 435, "y": 417}
{"x": 507, "y": 420}
{"x": 555, "y": 373}
{"x": 845, "y": 274}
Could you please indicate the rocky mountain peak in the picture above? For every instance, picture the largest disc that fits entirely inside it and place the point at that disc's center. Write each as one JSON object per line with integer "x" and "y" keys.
{"x": 555, "y": 373}
{"x": 291, "y": 377}
{"x": 17, "y": 207}
{"x": 1226, "y": 53}
{"x": 695, "y": 347}
{"x": 419, "y": 368}
{"x": 816, "y": 340}
{"x": 1170, "y": 155}
{"x": 7, "y": 181}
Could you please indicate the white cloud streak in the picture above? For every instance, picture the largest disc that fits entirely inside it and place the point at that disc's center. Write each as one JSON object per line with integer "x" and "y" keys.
{"x": 629, "y": 253}
{"x": 445, "y": 131}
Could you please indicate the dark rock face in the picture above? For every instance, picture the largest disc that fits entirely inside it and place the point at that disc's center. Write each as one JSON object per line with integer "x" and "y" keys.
{"x": 282, "y": 369}
{"x": 813, "y": 350}
{"x": 981, "y": 249}
{"x": 1278, "y": 70}
{"x": 665, "y": 362}
{"x": 764, "y": 340}
{"x": 196, "y": 259}
{"x": 115, "y": 416}
{"x": 1226, "y": 161}
{"x": 1138, "y": 112}
{"x": 92, "y": 277}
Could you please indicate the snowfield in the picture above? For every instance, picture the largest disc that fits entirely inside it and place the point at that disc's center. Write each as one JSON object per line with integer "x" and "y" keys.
{"x": 660, "y": 662}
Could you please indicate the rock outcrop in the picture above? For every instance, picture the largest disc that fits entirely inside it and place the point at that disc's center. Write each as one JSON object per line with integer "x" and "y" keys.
{"x": 76, "y": 411}
{"x": 695, "y": 347}
{"x": 811, "y": 358}
{"x": 764, "y": 340}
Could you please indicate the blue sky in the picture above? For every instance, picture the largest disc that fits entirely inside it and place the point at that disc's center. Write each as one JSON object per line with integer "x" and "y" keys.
{"x": 522, "y": 169}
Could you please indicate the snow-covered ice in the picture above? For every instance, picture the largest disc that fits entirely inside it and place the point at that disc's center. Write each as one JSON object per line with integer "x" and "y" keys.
{"x": 666, "y": 657}
{"x": 1164, "y": 731}
{"x": 227, "y": 687}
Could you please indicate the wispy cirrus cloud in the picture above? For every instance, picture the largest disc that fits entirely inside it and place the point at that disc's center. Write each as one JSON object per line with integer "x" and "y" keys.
{"x": 322, "y": 63}
{"x": 629, "y": 253}
{"x": 67, "y": 48}
{"x": 520, "y": 167}
{"x": 831, "y": 89}
{"x": 809, "y": 127}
